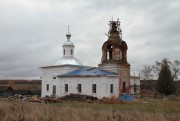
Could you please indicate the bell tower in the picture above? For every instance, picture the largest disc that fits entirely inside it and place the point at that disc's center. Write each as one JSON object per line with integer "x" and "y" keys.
{"x": 114, "y": 56}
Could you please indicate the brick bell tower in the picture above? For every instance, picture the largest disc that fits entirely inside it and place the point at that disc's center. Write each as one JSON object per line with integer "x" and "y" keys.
{"x": 114, "y": 56}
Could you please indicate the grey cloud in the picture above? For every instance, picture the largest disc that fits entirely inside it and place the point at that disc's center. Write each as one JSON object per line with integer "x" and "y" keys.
{"x": 32, "y": 33}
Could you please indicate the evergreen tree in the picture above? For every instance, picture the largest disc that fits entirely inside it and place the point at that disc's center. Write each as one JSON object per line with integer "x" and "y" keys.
{"x": 165, "y": 84}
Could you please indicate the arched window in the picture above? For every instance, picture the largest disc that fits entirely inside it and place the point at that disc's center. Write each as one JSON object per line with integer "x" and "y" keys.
{"x": 64, "y": 52}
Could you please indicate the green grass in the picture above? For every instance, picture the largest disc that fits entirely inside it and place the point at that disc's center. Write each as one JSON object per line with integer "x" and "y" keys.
{"x": 167, "y": 106}
{"x": 82, "y": 111}
{"x": 150, "y": 106}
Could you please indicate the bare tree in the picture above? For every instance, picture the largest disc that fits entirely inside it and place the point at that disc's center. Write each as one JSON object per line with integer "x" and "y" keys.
{"x": 147, "y": 72}
{"x": 156, "y": 68}
{"x": 175, "y": 68}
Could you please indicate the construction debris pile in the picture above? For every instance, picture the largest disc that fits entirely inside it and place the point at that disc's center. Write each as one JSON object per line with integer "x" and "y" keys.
{"x": 79, "y": 97}
{"x": 35, "y": 99}
{"x": 149, "y": 93}
{"x": 71, "y": 97}
{"x": 45, "y": 100}
{"x": 110, "y": 100}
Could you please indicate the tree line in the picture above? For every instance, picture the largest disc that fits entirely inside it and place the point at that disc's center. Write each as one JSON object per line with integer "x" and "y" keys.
{"x": 165, "y": 72}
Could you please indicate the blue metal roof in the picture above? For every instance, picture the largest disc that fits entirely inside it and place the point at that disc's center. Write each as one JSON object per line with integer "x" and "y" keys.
{"x": 95, "y": 71}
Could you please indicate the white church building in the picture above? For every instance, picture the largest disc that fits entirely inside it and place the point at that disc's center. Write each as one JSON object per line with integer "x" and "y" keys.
{"x": 110, "y": 78}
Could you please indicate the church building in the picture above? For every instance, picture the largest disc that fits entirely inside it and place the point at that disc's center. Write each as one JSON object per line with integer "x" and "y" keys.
{"x": 110, "y": 78}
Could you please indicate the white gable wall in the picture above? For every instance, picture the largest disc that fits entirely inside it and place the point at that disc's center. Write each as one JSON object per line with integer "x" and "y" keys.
{"x": 48, "y": 75}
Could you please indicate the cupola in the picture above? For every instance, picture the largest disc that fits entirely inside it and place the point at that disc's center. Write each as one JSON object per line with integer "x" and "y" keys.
{"x": 68, "y": 53}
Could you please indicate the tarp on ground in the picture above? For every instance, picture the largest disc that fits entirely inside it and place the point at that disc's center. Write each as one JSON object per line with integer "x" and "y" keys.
{"x": 126, "y": 97}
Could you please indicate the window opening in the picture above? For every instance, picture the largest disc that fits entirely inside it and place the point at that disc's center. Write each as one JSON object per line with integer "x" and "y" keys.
{"x": 120, "y": 55}
{"x": 107, "y": 55}
{"x": 93, "y": 88}
{"x": 79, "y": 87}
{"x": 124, "y": 87}
{"x": 135, "y": 88}
{"x": 47, "y": 87}
{"x": 111, "y": 88}
{"x": 66, "y": 87}
{"x": 71, "y": 52}
{"x": 54, "y": 89}
{"x": 109, "y": 52}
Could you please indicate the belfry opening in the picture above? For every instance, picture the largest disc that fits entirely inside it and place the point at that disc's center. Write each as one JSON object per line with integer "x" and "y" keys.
{"x": 109, "y": 52}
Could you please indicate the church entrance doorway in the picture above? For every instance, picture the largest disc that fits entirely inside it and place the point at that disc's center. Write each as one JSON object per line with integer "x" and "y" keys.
{"x": 124, "y": 87}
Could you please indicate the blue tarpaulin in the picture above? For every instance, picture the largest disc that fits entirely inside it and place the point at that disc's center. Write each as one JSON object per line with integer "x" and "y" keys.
{"x": 126, "y": 97}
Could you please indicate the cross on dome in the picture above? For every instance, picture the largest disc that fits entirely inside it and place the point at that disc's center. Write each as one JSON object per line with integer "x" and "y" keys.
{"x": 68, "y": 35}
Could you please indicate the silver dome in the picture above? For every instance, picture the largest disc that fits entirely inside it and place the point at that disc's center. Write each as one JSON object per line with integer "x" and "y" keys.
{"x": 68, "y": 61}
{"x": 68, "y": 43}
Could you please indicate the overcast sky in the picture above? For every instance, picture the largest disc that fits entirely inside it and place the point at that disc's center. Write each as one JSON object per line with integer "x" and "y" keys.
{"x": 32, "y": 32}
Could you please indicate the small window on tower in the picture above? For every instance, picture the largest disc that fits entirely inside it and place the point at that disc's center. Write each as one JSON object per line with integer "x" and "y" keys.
{"x": 120, "y": 55}
{"x": 64, "y": 52}
{"x": 109, "y": 52}
{"x": 107, "y": 55}
{"x": 71, "y": 52}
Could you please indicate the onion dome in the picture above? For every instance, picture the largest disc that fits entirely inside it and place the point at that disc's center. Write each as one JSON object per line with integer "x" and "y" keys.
{"x": 68, "y": 61}
{"x": 68, "y": 53}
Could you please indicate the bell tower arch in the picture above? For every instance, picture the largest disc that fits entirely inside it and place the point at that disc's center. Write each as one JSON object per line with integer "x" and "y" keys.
{"x": 114, "y": 56}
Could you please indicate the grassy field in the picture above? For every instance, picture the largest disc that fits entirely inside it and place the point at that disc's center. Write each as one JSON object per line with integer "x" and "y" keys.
{"x": 149, "y": 106}
{"x": 151, "y": 110}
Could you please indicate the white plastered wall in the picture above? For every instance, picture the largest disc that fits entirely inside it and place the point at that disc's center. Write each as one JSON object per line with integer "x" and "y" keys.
{"x": 48, "y": 75}
{"x": 102, "y": 86}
